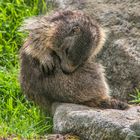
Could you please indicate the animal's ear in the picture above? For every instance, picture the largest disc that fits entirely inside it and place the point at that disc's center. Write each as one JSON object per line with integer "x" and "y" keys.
{"x": 31, "y": 24}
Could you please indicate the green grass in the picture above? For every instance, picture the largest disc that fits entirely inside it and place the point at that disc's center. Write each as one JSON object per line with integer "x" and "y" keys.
{"x": 18, "y": 116}
{"x": 136, "y": 97}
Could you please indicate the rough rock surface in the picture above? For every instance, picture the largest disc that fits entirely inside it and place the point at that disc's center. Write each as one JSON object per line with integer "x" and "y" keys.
{"x": 121, "y": 57}
{"x": 97, "y": 124}
{"x": 121, "y": 54}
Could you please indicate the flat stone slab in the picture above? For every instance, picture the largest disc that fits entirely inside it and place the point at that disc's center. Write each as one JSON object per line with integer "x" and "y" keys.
{"x": 96, "y": 124}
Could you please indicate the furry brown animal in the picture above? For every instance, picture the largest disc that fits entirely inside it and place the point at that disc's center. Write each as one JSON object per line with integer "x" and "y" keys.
{"x": 56, "y": 61}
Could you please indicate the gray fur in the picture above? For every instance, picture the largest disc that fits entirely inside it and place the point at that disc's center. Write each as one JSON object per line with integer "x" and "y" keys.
{"x": 56, "y": 61}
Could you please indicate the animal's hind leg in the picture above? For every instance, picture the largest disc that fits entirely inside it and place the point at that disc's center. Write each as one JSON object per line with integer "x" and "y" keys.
{"x": 107, "y": 104}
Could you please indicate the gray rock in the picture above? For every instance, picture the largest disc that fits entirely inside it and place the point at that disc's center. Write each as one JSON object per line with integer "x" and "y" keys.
{"x": 97, "y": 124}
{"x": 121, "y": 54}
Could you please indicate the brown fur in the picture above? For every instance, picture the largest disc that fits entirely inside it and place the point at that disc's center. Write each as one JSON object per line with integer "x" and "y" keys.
{"x": 56, "y": 64}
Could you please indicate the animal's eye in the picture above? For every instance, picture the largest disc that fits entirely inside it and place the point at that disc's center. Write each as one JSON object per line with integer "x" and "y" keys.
{"x": 76, "y": 30}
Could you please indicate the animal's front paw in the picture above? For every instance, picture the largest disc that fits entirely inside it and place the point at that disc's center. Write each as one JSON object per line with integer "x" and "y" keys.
{"x": 47, "y": 66}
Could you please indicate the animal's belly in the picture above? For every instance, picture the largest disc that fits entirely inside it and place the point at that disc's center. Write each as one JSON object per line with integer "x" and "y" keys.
{"x": 70, "y": 88}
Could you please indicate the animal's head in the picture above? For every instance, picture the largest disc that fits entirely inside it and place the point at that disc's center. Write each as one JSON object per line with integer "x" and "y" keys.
{"x": 72, "y": 35}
